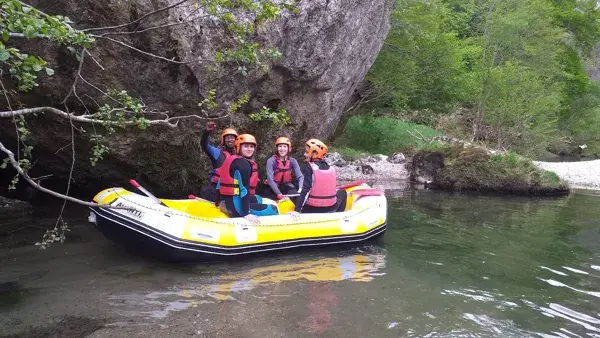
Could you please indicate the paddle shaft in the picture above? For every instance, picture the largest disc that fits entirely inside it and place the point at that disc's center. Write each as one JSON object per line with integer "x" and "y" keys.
{"x": 345, "y": 186}
{"x": 146, "y": 192}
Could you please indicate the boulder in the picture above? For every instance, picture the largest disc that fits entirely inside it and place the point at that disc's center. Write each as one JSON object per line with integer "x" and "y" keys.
{"x": 12, "y": 208}
{"x": 397, "y": 158}
{"x": 367, "y": 169}
{"x": 335, "y": 159}
{"x": 327, "y": 50}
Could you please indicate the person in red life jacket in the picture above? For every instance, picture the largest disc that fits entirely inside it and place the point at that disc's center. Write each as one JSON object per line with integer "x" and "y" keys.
{"x": 279, "y": 171}
{"x": 254, "y": 178}
{"x": 237, "y": 179}
{"x": 318, "y": 193}
{"x": 217, "y": 156}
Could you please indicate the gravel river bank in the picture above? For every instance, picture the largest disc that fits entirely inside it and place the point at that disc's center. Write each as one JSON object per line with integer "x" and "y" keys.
{"x": 579, "y": 175}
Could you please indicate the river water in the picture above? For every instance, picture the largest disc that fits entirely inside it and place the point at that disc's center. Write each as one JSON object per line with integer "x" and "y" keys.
{"x": 452, "y": 265}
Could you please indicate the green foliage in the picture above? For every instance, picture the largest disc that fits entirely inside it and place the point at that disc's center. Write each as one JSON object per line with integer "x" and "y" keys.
{"x": 580, "y": 20}
{"x": 515, "y": 72}
{"x": 25, "y": 156}
{"x": 210, "y": 105}
{"x": 237, "y": 104}
{"x": 518, "y": 66}
{"x": 54, "y": 235}
{"x": 523, "y": 105}
{"x": 99, "y": 148}
{"x": 209, "y": 101}
{"x": 21, "y": 19}
{"x": 580, "y": 126}
{"x": 122, "y": 109}
{"x": 420, "y": 62}
{"x": 278, "y": 117}
{"x": 383, "y": 134}
{"x": 246, "y": 53}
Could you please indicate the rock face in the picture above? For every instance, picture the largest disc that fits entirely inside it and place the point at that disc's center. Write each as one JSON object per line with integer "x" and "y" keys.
{"x": 425, "y": 167}
{"x": 327, "y": 50}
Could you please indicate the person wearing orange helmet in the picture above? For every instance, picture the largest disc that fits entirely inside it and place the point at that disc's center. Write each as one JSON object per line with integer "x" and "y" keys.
{"x": 217, "y": 156}
{"x": 318, "y": 193}
{"x": 238, "y": 177}
{"x": 279, "y": 171}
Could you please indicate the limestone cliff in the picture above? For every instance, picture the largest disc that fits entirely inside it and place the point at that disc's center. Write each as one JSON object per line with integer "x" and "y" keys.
{"x": 327, "y": 50}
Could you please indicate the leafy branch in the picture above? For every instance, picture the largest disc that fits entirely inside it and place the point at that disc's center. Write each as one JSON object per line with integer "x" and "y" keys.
{"x": 278, "y": 117}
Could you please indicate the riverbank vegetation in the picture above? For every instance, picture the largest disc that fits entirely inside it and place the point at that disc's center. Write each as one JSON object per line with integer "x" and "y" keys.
{"x": 459, "y": 167}
{"x": 508, "y": 73}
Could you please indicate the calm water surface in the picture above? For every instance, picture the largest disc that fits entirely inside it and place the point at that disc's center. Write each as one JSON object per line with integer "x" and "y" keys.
{"x": 452, "y": 265}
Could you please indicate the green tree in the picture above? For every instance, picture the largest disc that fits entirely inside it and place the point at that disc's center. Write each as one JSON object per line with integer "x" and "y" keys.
{"x": 518, "y": 67}
{"x": 420, "y": 62}
{"x": 516, "y": 72}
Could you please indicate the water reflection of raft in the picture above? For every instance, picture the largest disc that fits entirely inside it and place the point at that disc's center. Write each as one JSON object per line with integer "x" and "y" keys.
{"x": 197, "y": 230}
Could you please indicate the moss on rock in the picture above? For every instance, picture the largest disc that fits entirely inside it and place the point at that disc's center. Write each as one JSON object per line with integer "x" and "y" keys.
{"x": 460, "y": 167}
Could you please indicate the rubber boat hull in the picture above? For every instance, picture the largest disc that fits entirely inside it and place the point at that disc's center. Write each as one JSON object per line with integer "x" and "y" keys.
{"x": 165, "y": 247}
{"x": 195, "y": 229}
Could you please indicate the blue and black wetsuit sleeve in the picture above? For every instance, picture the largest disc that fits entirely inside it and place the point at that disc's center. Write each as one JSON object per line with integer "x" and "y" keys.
{"x": 307, "y": 173}
{"x": 241, "y": 170}
{"x": 213, "y": 152}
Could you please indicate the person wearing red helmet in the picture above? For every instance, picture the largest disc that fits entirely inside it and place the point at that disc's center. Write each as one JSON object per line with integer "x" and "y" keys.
{"x": 238, "y": 177}
{"x": 280, "y": 168}
{"x": 217, "y": 156}
{"x": 318, "y": 193}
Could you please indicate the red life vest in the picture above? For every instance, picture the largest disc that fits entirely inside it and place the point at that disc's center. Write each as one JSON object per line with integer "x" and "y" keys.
{"x": 215, "y": 173}
{"x": 228, "y": 185}
{"x": 254, "y": 179}
{"x": 282, "y": 173}
{"x": 323, "y": 191}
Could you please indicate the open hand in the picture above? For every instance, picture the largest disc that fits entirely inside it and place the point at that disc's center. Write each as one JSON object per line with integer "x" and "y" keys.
{"x": 253, "y": 219}
{"x": 295, "y": 215}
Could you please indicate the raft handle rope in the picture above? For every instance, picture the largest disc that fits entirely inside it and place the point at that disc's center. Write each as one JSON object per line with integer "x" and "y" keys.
{"x": 233, "y": 221}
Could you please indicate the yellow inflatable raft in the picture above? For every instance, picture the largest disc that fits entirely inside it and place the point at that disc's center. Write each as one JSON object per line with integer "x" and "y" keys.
{"x": 195, "y": 229}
